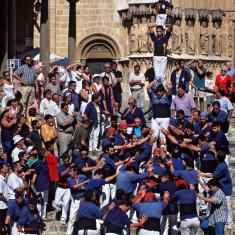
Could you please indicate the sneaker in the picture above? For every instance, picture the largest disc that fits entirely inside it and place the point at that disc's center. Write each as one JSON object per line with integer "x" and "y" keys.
{"x": 229, "y": 227}
{"x": 63, "y": 223}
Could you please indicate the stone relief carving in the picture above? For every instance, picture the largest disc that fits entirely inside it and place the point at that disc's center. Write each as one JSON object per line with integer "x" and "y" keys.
{"x": 176, "y": 37}
{"x": 150, "y": 42}
{"x": 217, "y": 39}
{"x": 204, "y": 38}
{"x": 143, "y": 35}
{"x": 134, "y": 33}
{"x": 230, "y": 45}
{"x": 190, "y": 37}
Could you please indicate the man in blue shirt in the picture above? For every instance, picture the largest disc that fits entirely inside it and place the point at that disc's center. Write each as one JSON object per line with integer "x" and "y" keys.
{"x": 198, "y": 80}
{"x": 15, "y": 209}
{"x": 160, "y": 49}
{"x": 76, "y": 184}
{"x": 30, "y": 221}
{"x": 62, "y": 194}
{"x": 146, "y": 205}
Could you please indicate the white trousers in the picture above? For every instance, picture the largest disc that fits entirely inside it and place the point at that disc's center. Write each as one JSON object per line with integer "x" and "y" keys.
{"x": 139, "y": 96}
{"x": 94, "y": 138}
{"x": 161, "y": 20}
{"x": 72, "y": 217}
{"x": 157, "y": 124}
{"x": 124, "y": 233}
{"x": 159, "y": 64}
{"x": 189, "y": 226}
{"x": 230, "y": 212}
{"x": 147, "y": 232}
{"x": 88, "y": 232}
{"x": 169, "y": 223}
{"x": 14, "y": 230}
{"x": 42, "y": 208}
{"x": 62, "y": 199}
{"x": 108, "y": 194}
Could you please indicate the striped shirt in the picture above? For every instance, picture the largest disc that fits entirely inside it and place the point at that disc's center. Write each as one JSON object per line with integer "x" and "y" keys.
{"x": 27, "y": 74}
{"x": 219, "y": 208}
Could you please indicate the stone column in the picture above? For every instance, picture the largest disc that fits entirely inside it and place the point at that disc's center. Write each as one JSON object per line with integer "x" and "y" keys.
{"x": 197, "y": 31}
{"x": 183, "y": 26}
{"x": 4, "y": 37}
{"x": 72, "y": 30}
{"x": 44, "y": 33}
{"x": 210, "y": 28}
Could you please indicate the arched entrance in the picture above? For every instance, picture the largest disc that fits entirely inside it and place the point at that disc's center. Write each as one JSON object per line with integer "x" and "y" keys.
{"x": 96, "y": 50}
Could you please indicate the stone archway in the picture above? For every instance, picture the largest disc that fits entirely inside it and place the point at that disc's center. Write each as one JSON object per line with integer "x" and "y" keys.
{"x": 98, "y": 46}
{"x": 96, "y": 50}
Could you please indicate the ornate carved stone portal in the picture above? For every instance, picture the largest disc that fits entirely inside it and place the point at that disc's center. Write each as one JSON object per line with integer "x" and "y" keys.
{"x": 197, "y": 33}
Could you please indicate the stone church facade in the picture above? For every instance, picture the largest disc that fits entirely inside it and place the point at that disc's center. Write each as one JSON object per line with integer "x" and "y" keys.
{"x": 117, "y": 30}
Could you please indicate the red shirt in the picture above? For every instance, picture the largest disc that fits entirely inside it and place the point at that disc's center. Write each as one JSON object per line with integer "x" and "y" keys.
{"x": 223, "y": 83}
{"x": 52, "y": 163}
{"x": 233, "y": 84}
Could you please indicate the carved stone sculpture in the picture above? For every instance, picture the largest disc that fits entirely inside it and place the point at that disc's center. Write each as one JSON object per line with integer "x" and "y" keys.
{"x": 204, "y": 38}
{"x": 217, "y": 40}
{"x": 143, "y": 35}
{"x": 230, "y": 45}
{"x": 176, "y": 37}
{"x": 134, "y": 32}
{"x": 190, "y": 38}
{"x": 150, "y": 42}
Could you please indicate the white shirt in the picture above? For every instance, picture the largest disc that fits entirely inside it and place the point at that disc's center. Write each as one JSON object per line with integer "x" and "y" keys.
{"x": 209, "y": 84}
{"x": 15, "y": 154}
{"x": 13, "y": 182}
{"x": 53, "y": 109}
{"x": 111, "y": 76}
{"x": 225, "y": 104}
{"x": 3, "y": 190}
{"x": 140, "y": 77}
{"x": 44, "y": 106}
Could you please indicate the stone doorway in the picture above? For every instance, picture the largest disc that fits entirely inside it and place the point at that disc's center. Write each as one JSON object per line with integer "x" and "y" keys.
{"x": 97, "y": 65}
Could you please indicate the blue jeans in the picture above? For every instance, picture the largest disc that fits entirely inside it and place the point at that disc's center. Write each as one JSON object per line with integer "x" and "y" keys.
{"x": 219, "y": 228}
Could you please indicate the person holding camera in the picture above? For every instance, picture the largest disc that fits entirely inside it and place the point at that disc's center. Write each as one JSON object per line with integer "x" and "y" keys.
{"x": 199, "y": 77}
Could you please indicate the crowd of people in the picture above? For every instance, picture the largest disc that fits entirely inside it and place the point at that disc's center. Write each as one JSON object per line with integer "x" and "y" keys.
{"x": 69, "y": 145}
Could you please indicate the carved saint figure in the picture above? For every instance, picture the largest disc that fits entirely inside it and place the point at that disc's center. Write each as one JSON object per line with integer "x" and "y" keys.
{"x": 217, "y": 39}
{"x": 230, "y": 45}
{"x": 150, "y": 42}
{"x": 176, "y": 37}
{"x": 204, "y": 38}
{"x": 190, "y": 37}
{"x": 134, "y": 32}
{"x": 143, "y": 35}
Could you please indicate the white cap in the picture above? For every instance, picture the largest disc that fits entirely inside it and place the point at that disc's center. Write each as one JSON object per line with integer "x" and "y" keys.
{"x": 96, "y": 75}
{"x": 17, "y": 138}
{"x": 29, "y": 149}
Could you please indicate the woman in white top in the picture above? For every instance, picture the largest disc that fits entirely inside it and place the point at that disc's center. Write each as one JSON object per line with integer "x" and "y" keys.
{"x": 40, "y": 81}
{"x": 68, "y": 100}
{"x": 96, "y": 85}
{"x": 8, "y": 89}
{"x": 85, "y": 95}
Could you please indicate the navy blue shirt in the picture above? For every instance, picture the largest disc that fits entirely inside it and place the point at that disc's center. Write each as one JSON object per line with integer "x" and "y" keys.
{"x": 88, "y": 210}
{"x": 221, "y": 139}
{"x": 145, "y": 150}
{"x": 159, "y": 42}
{"x": 184, "y": 79}
{"x": 127, "y": 180}
{"x": 91, "y": 112}
{"x": 202, "y": 130}
{"x": 222, "y": 174}
{"x": 151, "y": 209}
{"x": 77, "y": 193}
{"x": 42, "y": 172}
{"x": 27, "y": 219}
{"x": 185, "y": 197}
{"x": 81, "y": 162}
{"x": 199, "y": 80}
{"x": 190, "y": 175}
{"x": 15, "y": 210}
{"x": 75, "y": 98}
{"x": 62, "y": 168}
{"x": 130, "y": 119}
{"x": 106, "y": 95}
{"x": 169, "y": 186}
{"x": 220, "y": 117}
{"x": 117, "y": 217}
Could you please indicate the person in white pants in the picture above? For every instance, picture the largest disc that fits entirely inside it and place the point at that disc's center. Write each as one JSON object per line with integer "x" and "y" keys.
{"x": 62, "y": 194}
{"x": 161, "y": 102}
{"x": 93, "y": 112}
{"x": 76, "y": 184}
{"x": 160, "y": 41}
